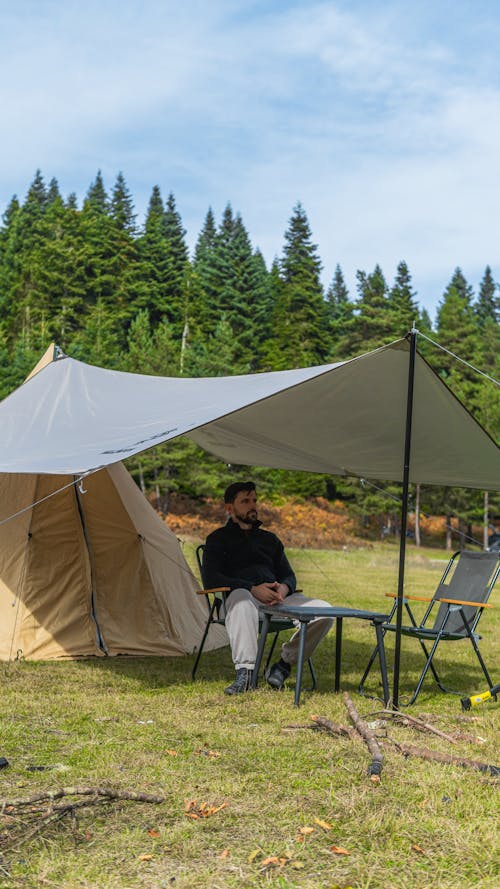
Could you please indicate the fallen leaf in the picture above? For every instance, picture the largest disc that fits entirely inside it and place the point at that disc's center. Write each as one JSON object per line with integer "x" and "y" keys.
{"x": 339, "y": 850}
{"x": 323, "y": 824}
{"x": 171, "y": 752}
{"x": 190, "y": 804}
{"x": 297, "y": 865}
{"x": 253, "y": 855}
{"x": 306, "y": 830}
{"x": 272, "y": 861}
{"x": 418, "y": 849}
{"x": 145, "y": 857}
{"x": 224, "y": 853}
{"x": 153, "y": 833}
{"x": 192, "y": 815}
{"x": 213, "y": 754}
{"x": 299, "y": 839}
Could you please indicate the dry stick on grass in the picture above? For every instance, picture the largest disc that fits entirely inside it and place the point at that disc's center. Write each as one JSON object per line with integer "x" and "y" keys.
{"x": 328, "y": 726}
{"x": 418, "y": 723}
{"x": 97, "y": 792}
{"x": 435, "y": 756}
{"x": 377, "y": 763}
{"x": 55, "y": 814}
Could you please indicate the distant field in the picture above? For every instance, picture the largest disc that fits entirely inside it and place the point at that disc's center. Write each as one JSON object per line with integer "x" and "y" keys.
{"x": 140, "y": 724}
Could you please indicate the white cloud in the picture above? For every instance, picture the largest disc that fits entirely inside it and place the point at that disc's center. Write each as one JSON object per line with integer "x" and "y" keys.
{"x": 382, "y": 125}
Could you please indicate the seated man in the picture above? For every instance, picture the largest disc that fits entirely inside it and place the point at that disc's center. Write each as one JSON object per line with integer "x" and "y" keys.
{"x": 252, "y": 562}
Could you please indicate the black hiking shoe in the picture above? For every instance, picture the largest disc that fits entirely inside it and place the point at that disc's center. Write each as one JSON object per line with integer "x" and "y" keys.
{"x": 242, "y": 682}
{"x": 278, "y": 674}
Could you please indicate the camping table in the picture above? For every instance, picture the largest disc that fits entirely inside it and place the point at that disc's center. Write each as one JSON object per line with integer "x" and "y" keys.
{"x": 304, "y": 615}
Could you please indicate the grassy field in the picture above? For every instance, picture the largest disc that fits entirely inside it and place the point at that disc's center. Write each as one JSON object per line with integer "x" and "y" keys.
{"x": 142, "y": 725}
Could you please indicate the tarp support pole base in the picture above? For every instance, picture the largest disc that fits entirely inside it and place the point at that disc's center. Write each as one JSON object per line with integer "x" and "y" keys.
{"x": 404, "y": 516}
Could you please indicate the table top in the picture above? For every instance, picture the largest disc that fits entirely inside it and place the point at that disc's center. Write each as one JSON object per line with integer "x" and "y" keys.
{"x": 308, "y": 612}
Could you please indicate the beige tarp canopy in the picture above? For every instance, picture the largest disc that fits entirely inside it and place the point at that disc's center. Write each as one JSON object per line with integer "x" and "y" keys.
{"x": 96, "y": 572}
{"x": 343, "y": 419}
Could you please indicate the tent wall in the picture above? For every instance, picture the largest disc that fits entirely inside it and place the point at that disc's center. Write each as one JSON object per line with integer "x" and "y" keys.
{"x": 84, "y": 567}
{"x": 45, "y": 604}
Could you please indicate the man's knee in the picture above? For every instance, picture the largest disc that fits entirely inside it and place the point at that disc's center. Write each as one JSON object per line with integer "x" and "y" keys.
{"x": 238, "y": 597}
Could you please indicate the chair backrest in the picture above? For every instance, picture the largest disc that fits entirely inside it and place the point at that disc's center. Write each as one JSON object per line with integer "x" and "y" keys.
{"x": 470, "y": 576}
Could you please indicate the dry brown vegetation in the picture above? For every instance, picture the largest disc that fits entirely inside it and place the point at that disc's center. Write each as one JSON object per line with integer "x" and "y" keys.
{"x": 318, "y": 524}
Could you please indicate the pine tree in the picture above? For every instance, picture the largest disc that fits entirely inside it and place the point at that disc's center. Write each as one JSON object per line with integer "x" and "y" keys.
{"x": 457, "y": 331}
{"x": 97, "y": 200}
{"x": 122, "y": 207}
{"x": 53, "y": 192}
{"x": 371, "y": 325}
{"x": 113, "y": 268}
{"x": 403, "y": 306}
{"x": 339, "y": 311}
{"x": 488, "y": 302}
{"x": 299, "y": 322}
{"x": 178, "y": 267}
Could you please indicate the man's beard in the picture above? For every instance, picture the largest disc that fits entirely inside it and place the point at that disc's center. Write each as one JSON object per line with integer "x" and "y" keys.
{"x": 247, "y": 518}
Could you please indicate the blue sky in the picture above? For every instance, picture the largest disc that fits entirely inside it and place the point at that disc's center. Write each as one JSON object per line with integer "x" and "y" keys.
{"x": 382, "y": 118}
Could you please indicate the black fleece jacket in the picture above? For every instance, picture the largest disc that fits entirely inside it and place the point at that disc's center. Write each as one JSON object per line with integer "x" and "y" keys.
{"x": 237, "y": 558}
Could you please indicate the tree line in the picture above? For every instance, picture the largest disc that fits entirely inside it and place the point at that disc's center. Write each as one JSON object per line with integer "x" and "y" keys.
{"x": 131, "y": 297}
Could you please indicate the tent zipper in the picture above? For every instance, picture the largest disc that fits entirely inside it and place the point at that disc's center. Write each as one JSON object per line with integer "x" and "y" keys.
{"x": 100, "y": 640}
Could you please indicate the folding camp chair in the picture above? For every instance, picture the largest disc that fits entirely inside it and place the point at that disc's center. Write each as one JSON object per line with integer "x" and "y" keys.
{"x": 216, "y": 602}
{"x": 462, "y": 596}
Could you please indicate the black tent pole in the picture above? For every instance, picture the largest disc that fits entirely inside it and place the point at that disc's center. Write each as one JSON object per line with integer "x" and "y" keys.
{"x": 404, "y": 516}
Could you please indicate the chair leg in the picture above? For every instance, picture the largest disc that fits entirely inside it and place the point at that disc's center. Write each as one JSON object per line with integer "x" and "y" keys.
{"x": 479, "y": 657}
{"x": 202, "y": 644}
{"x": 425, "y": 670}
{"x": 431, "y": 666}
{"x": 273, "y": 646}
{"x": 367, "y": 671}
{"x": 313, "y": 674}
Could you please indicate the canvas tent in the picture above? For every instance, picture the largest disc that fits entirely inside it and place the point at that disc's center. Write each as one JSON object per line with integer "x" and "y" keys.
{"x": 72, "y": 419}
{"x": 92, "y": 572}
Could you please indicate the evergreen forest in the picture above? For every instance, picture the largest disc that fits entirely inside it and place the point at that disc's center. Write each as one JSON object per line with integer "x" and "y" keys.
{"x": 120, "y": 295}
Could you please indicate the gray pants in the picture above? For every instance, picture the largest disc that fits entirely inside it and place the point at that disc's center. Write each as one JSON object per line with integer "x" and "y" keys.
{"x": 242, "y": 625}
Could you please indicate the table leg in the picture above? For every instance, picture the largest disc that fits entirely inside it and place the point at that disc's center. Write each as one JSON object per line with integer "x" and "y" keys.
{"x": 260, "y": 650}
{"x": 300, "y": 660}
{"x": 338, "y": 651}
{"x": 382, "y": 661}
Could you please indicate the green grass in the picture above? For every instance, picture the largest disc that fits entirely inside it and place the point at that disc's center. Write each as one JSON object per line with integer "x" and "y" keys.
{"x": 113, "y": 722}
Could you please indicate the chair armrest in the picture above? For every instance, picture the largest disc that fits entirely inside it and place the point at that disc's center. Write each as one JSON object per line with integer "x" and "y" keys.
{"x": 413, "y": 598}
{"x": 464, "y": 602}
{"x": 217, "y": 589}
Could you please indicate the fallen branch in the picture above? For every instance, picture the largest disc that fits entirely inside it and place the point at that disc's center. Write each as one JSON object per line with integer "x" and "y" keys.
{"x": 97, "y": 792}
{"x": 328, "y": 726}
{"x": 55, "y": 814}
{"x": 418, "y": 723}
{"x": 377, "y": 763}
{"x": 435, "y": 756}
